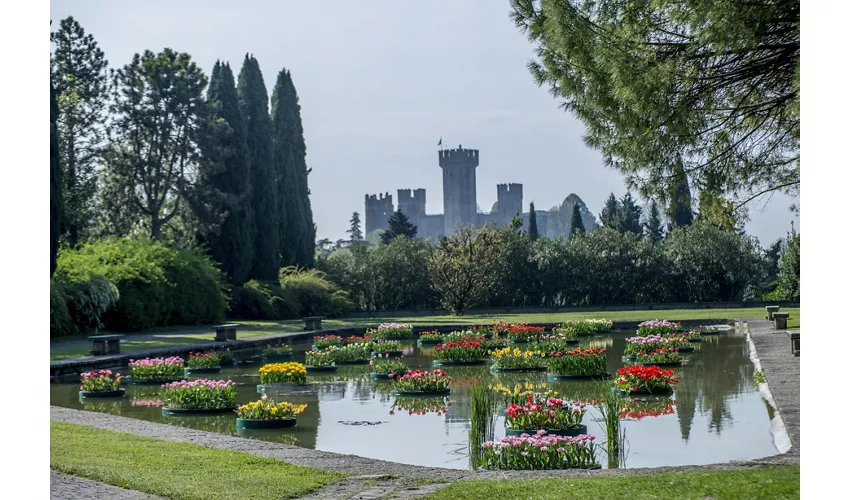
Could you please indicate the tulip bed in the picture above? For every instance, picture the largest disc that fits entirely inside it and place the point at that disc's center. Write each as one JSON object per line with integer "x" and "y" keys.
{"x": 509, "y": 358}
{"x": 327, "y": 341}
{"x": 639, "y": 379}
{"x": 318, "y": 358}
{"x": 660, "y": 355}
{"x": 551, "y": 344}
{"x": 359, "y": 352}
{"x": 283, "y": 373}
{"x": 520, "y": 392}
{"x": 539, "y": 452}
{"x": 579, "y": 362}
{"x": 416, "y": 381}
{"x": 643, "y": 345}
{"x": 433, "y": 337}
{"x": 156, "y": 369}
{"x": 583, "y": 327}
{"x": 200, "y": 394}
{"x": 100, "y": 381}
{"x": 385, "y": 346}
{"x": 523, "y": 333}
{"x": 462, "y": 351}
{"x": 203, "y": 360}
{"x": 281, "y": 350}
{"x": 706, "y": 330}
{"x": 388, "y": 368}
{"x": 391, "y": 331}
{"x": 658, "y": 327}
{"x": 544, "y": 412}
{"x": 266, "y": 409}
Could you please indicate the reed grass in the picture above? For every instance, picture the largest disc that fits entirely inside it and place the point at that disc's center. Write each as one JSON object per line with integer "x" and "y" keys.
{"x": 482, "y": 421}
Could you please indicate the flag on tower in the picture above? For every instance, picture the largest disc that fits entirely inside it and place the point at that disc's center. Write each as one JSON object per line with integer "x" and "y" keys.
{"x": 441, "y": 142}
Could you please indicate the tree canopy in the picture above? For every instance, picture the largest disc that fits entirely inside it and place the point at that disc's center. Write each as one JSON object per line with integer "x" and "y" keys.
{"x": 398, "y": 224}
{"x": 711, "y": 87}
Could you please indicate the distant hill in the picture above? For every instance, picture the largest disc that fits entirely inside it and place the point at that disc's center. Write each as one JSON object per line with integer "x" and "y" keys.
{"x": 560, "y": 215}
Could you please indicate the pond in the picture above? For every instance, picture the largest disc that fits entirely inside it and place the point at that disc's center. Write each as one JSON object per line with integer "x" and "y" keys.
{"x": 715, "y": 414}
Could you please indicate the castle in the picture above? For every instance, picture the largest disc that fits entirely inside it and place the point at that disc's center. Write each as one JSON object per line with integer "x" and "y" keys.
{"x": 459, "y": 201}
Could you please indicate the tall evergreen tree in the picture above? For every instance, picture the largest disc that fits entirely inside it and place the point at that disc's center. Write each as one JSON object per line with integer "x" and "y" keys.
{"x": 398, "y": 224}
{"x": 254, "y": 104}
{"x": 576, "y": 224}
{"x": 296, "y": 225}
{"x": 679, "y": 210}
{"x": 228, "y": 173}
{"x": 608, "y": 217}
{"x": 628, "y": 215}
{"x": 80, "y": 79}
{"x": 654, "y": 231}
{"x": 355, "y": 231}
{"x": 533, "y": 233}
{"x": 55, "y": 183}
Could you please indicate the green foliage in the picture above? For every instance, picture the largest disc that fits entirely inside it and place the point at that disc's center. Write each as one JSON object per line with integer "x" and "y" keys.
{"x": 708, "y": 88}
{"x": 354, "y": 230}
{"x": 628, "y": 215}
{"x": 652, "y": 229}
{"x": 399, "y": 274}
{"x": 158, "y": 285}
{"x": 263, "y": 300}
{"x": 316, "y": 295}
{"x": 679, "y": 210}
{"x": 398, "y": 224}
{"x": 576, "y": 224}
{"x": 254, "y": 103}
{"x": 560, "y": 222}
{"x": 88, "y": 300}
{"x": 789, "y": 270}
{"x": 78, "y": 71}
{"x": 608, "y": 217}
{"x": 61, "y": 323}
{"x": 228, "y": 174}
{"x": 533, "y": 233}
{"x": 55, "y": 184}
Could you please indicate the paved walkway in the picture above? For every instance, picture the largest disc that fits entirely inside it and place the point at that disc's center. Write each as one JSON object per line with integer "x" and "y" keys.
{"x": 781, "y": 368}
{"x": 65, "y": 487}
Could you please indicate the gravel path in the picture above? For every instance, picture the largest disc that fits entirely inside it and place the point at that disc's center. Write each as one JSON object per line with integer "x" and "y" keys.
{"x": 381, "y": 479}
{"x": 65, "y": 487}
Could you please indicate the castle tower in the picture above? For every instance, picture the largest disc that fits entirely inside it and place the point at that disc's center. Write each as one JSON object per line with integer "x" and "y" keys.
{"x": 459, "y": 201}
{"x": 378, "y": 209}
{"x": 509, "y": 197}
{"x": 412, "y": 205}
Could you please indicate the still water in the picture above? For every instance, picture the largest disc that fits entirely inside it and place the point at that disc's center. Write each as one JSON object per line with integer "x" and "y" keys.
{"x": 714, "y": 415}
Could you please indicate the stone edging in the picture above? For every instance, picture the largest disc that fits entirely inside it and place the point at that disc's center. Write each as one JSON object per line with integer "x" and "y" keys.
{"x": 361, "y": 465}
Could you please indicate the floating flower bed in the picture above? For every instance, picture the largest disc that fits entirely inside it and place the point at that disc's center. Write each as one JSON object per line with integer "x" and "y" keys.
{"x": 462, "y": 352}
{"x": 582, "y": 327}
{"x": 706, "y": 330}
{"x": 691, "y": 336}
{"x": 420, "y": 405}
{"x": 522, "y": 333}
{"x": 156, "y": 370}
{"x": 661, "y": 356}
{"x": 277, "y": 353}
{"x": 518, "y": 393}
{"x": 392, "y": 331}
{"x": 416, "y": 382}
{"x": 637, "y": 409}
{"x": 552, "y": 414}
{"x": 326, "y": 341}
{"x": 385, "y": 368}
{"x": 392, "y": 347}
{"x": 283, "y": 373}
{"x": 564, "y": 332}
{"x": 433, "y": 337}
{"x": 354, "y": 339}
{"x": 539, "y": 451}
{"x": 551, "y": 344}
{"x": 679, "y": 342}
{"x": 481, "y": 330}
{"x": 352, "y": 354}
{"x": 643, "y": 345}
{"x": 319, "y": 361}
{"x": 100, "y": 384}
{"x": 514, "y": 359}
{"x": 203, "y": 362}
{"x": 198, "y": 396}
{"x": 637, "y": 379}
{"x": 462, "y": 335}
{"x": 267, "y": 414}
{"x": 578, "y": 363}
{"x": 658, "y": 327}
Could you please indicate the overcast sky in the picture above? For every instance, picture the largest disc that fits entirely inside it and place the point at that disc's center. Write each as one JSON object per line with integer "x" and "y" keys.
{"x": 380, "y": 82}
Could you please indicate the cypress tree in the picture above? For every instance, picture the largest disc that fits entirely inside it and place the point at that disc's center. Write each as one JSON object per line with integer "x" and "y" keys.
{"x": 628, "y": 215}
{"x": 654, "y": 231}
{"x": 55, "y": 183}
{"x": 296, "y": 225}
{"x": 608, "y": 216}
{"x": 254, "y": 103}
{"x": 679, "y": 211}
{"x": 576, "y": 224}
{"x": 229, "y": 174}
{"x": 533, "y": 233}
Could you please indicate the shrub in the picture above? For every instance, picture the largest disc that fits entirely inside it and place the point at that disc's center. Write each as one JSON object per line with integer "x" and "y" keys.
{"x": 262, "y": 300}
{"x": 158, "y": 285}
{"x": 61, "y": 324}
{"x": 88, "y": 300}
{"x": 314, "y": 293}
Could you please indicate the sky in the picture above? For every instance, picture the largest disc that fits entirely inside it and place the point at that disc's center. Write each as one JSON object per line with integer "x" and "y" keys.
{"x": 380, "y": 83}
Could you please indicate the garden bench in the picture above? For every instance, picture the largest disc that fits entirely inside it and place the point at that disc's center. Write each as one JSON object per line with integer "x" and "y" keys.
{"x": 225, "y": 332}
{"x": 105, "y": 344}
{"x": 795, "y": 342}
{"x": 313, "y": 322}
{"x": 770, "y": 312}
{"x": 780, "y": 320}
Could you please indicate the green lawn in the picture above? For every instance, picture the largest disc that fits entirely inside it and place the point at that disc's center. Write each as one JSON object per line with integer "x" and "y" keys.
{"x": 176, "y": 470}
{"x": 62, "y": 349}
{"x": 767, "y": 483}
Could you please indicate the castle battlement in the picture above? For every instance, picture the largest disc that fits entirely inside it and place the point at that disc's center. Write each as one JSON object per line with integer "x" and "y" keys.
{"x": 458, "y": 156}
{"x": 408, "y": 195}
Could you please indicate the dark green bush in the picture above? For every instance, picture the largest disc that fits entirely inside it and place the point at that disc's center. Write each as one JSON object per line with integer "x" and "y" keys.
{"x": 88, "y": 300}
{"x": 61, "y": 324}
{"x": 316, "y": 295}
{"x": 158, "y": 285}
{"x": 256, "y": 300}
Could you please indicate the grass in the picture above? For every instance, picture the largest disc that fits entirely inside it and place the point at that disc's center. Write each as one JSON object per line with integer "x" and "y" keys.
{"x": 762, "y": 483}
{"x": 67, "y": 348}
{"x": 176, "y": 470}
